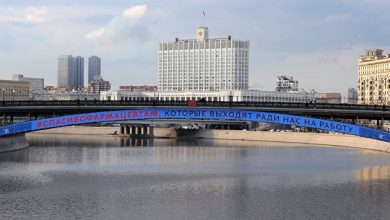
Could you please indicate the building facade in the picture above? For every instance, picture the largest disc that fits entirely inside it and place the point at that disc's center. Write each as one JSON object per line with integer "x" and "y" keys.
{"x": 13, "y": 90}
{"x": 233, "y": 95}
{"x": 36, "y": 84}
{"x": 66, "y": 96}
{"x": 79, "y": 66}
{"x": 98, "y": 84}
{"x": 352, "y": 96}
{"x": 70, "y": 71}
{"x": 94, "y": 68}
{"x": 328, "y": 97}
{"x": 141, "y": 88}
{"x": 374, "y": 78}
{"x": 203, "y": 64}
{"x": 286, "y": 84}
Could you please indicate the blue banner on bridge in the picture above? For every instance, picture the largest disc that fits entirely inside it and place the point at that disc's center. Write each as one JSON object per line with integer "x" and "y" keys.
{"x": 194, "y": 113}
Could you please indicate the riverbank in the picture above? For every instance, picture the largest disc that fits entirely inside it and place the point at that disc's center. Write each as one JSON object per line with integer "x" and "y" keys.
{"x": 13, "y": 143}
{"x": 338, "y": 140}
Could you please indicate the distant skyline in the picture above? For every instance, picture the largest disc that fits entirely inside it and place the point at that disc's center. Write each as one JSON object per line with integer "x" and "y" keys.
{"x": 316, "y": 42}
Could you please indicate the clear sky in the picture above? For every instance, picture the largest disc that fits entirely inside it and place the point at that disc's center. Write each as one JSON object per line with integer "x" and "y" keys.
{"x": 316, "y": 42}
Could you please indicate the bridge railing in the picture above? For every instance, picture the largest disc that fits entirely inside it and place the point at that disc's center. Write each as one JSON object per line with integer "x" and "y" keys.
{"x": 199, "y": 103}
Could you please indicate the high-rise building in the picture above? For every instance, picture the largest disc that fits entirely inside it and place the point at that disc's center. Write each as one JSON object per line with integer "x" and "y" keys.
{"x": 286, "y": 84}
{"x": 352, "y": 96}
{"x": 36, "y": 84}
{"x": 98, "y": 84}
{"x": 203, "y": 64}
{"x": 374, "y": 78}
{"x": 70, "y": 71}
{"x": 94, "y": 68}
{"x": 64, "y": 71}
{"x": 79, "y": 65}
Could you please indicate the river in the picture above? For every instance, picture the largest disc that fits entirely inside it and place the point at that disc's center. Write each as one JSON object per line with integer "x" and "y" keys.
{"x": 97, "y": 177}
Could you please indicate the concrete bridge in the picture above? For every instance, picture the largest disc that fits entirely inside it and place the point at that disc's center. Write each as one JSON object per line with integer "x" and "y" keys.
{"x": 223, "y": 114}
{"x": 28, "y": 110}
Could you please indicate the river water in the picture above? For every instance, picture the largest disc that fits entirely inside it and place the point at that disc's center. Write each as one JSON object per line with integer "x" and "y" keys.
{"x": 95, "y": 177}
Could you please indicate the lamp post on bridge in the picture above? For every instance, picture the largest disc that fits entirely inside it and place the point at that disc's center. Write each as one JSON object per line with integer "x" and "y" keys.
{"x": 3, "y": 90}
{"x": 13, "y": 94}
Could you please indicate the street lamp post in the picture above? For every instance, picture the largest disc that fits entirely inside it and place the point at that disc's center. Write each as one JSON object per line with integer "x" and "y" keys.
{"x": 13, "y": 95}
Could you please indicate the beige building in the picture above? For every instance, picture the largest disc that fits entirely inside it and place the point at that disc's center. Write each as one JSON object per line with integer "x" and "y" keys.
{"x": 13, "y": 90}
{"x": 328, "y": 97}
{"x": 374, "y": 78}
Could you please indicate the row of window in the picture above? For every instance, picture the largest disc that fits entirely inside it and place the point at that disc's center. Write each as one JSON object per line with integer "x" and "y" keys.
{"x": 208, "y": 44}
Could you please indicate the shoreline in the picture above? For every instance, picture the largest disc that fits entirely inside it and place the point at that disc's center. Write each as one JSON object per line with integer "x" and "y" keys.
{"x": 320, "y": 139}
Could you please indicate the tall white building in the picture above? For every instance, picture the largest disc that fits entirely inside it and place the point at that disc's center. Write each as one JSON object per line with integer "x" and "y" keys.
{"x": 94, "y": 68}
{"x": 203, "y": 64}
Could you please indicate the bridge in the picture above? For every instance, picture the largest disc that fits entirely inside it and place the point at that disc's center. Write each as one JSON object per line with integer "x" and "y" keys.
{"x": 228, "y": 113}
{"x": 42, "y": 109}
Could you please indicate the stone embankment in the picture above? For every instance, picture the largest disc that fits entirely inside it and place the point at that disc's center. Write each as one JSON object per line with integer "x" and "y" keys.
{"x": 339, "y": 140}
{"x": 13, "y": 143}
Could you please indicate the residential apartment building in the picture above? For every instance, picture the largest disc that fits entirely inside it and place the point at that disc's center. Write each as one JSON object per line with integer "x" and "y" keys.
{"x": 374, "y": 78}
{"x": 286, "y": 84}
{"x": 98, "y": 84}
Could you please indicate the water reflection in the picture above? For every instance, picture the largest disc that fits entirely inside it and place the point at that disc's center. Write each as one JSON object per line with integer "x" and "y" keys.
{"x": 373, "y": 173}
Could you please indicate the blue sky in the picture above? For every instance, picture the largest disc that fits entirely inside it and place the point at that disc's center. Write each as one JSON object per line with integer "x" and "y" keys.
{"x": 317, "y": 42}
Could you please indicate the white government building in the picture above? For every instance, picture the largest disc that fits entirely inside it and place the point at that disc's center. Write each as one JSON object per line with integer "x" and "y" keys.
{"x": 213, "y": 69}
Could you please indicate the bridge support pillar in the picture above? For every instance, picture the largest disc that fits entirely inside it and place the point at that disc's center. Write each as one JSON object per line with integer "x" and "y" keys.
{"x": 122, "y": 129}
{"x": 382, "y": 123}
{"x": 132, "y": 130}
{"x": 139, "y": 130}
{"x": 128, "y": 129}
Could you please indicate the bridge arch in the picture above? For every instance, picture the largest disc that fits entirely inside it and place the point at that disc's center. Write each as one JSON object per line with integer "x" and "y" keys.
{"x": 194, "y": 113}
